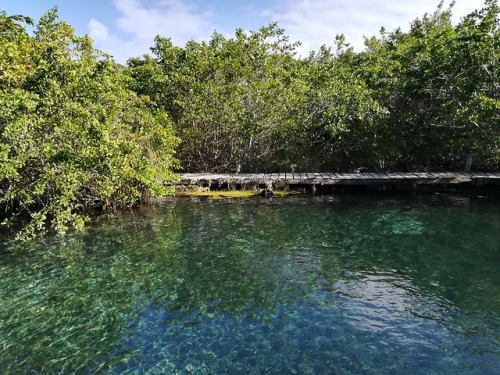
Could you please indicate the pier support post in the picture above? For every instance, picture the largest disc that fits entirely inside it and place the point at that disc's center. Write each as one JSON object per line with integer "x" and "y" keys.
{"x": 468, "y": 163}
{"x": 313, "y": 189}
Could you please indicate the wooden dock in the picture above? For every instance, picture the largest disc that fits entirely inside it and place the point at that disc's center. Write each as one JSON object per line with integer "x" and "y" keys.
{"x": 344, "y": 181}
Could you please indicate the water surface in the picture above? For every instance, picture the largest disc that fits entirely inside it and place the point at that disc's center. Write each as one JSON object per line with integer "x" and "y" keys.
{"x": 335, "y": 285}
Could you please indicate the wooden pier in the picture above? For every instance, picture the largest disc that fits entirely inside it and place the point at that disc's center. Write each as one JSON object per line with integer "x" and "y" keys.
{"x": 332, "y": 182}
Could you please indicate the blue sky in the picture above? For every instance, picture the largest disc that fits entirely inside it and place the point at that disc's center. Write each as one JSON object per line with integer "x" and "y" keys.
{"x": 126, "y": 28}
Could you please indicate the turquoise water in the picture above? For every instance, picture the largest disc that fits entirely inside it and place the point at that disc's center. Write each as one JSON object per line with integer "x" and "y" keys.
{"x": 334, "y": 285}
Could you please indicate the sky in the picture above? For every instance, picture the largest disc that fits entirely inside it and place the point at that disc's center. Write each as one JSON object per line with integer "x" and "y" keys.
{"x": 126, "y": 28}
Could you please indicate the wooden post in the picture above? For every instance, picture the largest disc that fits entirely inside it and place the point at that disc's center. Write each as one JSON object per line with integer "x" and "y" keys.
{"x": 468, "y": 163}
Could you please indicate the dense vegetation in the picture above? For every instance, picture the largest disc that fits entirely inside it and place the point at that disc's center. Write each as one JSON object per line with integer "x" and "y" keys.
{"x": 425, "y": 99}
{"x": 73, "y": 135}
{"x": 79, "y": 132}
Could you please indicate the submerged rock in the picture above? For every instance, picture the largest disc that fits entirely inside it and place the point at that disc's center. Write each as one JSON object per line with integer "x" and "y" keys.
{"x": 267, "y": 193}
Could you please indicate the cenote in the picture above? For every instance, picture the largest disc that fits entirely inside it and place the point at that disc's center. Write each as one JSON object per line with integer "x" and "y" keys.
{"x": 298, "y": 285}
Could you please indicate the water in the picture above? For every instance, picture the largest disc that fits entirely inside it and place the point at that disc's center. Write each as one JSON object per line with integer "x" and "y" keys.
{"x": 336, "y": 285}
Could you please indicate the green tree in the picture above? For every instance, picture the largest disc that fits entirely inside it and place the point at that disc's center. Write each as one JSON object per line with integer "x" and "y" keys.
{"x": 336, "y": 126}
{"x": 438, "y": 82}
{"x": 73, "y": 136}
{"x": 229, "y": 98}
{"x": 423, "y": 99}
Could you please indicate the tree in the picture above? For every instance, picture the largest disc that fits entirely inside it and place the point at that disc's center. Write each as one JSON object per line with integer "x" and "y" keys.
{"x": 229, "y": 98}
{"x": 438, "y": 83}
{"x": 9, "y": 24}
{"x": 73, "y": 136}
{"x": 336, "y": 125}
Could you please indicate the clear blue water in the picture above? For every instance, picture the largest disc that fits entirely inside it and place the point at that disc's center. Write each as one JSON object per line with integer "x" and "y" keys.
{"x": 334, "y": 285}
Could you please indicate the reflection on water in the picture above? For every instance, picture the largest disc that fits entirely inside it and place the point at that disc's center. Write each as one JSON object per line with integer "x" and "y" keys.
{"x": 350, "y": 285}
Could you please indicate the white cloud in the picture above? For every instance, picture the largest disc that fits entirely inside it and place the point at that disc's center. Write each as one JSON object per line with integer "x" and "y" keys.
{"x": 316, "y": 22}
{"x": 98, "y": 31}
{"x": 166, "y": 17}
{"x": 313, "y": 22}
{"x": 139, "y": 21}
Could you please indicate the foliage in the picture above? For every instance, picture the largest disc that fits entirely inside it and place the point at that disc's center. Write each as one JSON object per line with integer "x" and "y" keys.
{"x": 422, "y": 99}
{"x": 228, "y": 98}
{"x": 439, "y": 83}
{"x": 336, "y": 124}
{"x": 247, "y": 104}
{"x": 73, "y": 136}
